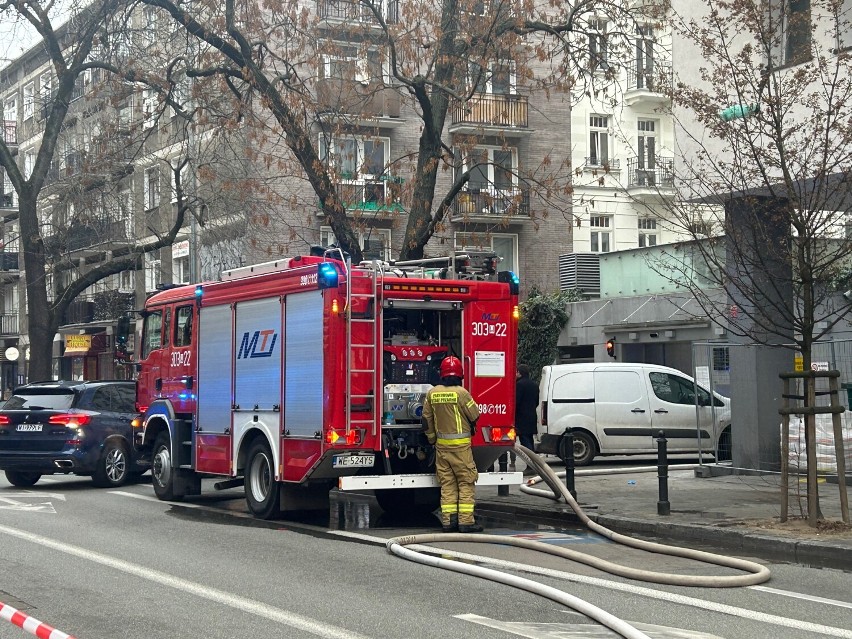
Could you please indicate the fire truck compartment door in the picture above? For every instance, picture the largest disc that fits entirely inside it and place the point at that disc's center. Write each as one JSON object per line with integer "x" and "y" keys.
{"x": 303, "y": 353}
{"x": 215, "y": 361}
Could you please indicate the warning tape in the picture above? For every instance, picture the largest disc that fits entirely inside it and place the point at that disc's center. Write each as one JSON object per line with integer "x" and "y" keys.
{"x": 30, "y": 624}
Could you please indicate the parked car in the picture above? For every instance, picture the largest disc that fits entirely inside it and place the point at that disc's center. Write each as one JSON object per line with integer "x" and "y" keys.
{"x": 84, "y": 428}
{"x": 619, "y": 409}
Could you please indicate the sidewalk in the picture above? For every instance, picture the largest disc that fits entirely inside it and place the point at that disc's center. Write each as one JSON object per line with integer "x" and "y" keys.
{"x": 738, "y": 513}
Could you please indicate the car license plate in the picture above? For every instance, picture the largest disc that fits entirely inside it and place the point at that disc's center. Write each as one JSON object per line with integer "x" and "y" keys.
{"x": 350, "y": 461}
{"x": 32, "y": 428}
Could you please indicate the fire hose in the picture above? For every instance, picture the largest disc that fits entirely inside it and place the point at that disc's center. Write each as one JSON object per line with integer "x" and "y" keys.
{"x": 756, "y": 573}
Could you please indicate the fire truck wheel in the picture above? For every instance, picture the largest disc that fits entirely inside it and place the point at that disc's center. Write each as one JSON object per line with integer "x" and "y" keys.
{"x": 262, "y": 491}
{"x": 113, "y": 467}
{"x": 162, "y": 471}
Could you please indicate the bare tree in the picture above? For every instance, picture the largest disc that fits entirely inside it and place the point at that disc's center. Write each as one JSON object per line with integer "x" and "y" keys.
{"x": 330, "y": 66}
{"x": 764, "y": 103}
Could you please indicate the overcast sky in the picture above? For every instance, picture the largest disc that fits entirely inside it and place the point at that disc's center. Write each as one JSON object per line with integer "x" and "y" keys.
{"x": 17, "y": 35}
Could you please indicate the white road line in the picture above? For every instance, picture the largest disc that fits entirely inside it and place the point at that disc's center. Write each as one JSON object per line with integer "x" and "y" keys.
{"x": 683, "y": 600}
{"x": 294, "y": 620}
{"x": 799, "y": 595}
{"x": 579, "y": 630}
{"x": 155, "y": 500}
{"x": 33, "y": 493}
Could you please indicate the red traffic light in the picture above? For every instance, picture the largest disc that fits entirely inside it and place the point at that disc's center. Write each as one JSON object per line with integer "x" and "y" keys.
{"x": 610, "y": 347}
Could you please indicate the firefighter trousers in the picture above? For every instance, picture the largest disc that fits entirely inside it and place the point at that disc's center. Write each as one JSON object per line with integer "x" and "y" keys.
{"x": 457, "y": 475}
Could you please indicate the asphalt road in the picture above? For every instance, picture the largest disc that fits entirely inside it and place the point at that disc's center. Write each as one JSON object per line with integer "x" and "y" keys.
{"x": 109, "y": 564}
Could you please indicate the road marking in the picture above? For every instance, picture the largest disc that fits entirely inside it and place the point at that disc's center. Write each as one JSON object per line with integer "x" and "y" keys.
{"x": 799, "y": 595}
{"x": 580, "y": 630}
{"x": 292, "y": 619}
{"x": 684, "y": 600}
{"x": 44, "y": 507}
{"x": 33, "y": 493}
{"x": 156, "y": 500}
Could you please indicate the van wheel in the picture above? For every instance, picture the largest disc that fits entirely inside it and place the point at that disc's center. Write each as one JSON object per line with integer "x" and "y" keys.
{"x": 262, "y": 491}
{"x": 723, "y": 449}
{"x": 584, "y": 449}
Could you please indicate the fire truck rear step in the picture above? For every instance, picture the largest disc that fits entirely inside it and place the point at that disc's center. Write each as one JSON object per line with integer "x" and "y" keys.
{"x": 382, "y": 482}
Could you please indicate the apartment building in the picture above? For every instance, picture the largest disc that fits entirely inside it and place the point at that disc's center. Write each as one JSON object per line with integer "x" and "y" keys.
{"x": 124, "y": 146}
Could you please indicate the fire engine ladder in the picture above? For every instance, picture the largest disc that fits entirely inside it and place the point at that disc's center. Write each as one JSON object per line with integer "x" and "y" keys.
{"x": 370, "y": 318}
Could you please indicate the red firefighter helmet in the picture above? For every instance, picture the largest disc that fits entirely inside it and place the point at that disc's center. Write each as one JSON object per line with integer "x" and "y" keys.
{"x": 452, "y": 367}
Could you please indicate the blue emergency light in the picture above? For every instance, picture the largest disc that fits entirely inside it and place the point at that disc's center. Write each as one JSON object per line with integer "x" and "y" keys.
{"x": 198, "y": 292}
{"x": 512, "y": 279}
{"x": 326, "y": 275}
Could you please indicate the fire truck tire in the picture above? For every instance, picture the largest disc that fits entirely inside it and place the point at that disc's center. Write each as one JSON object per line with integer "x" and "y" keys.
{"x": 401, "y": 501}
{"x": 22, "y": 478}
{"x": 262, "y": 491}
{"x": 113, "y": 469}
{"x": 162, "y": 470}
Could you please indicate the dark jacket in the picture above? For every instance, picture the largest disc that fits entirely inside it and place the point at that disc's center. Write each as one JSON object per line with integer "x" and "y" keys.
{"x": 526, "y": 401}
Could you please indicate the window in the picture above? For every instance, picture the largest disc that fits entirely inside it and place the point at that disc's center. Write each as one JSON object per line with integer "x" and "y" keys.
{"x": 151, "y": 25}
{"x": 497, "y": 78}
{"x": 149, "y": 107}
{"x": 152, "y": 273}
{"x": 29, "y": 164}
{"x": 644, "y": 57}
{"x": 124, "y": 397}
{"x": 183, "y": 326}
{"x": 790, "y": 28}
{"x": 349, "y": 63}
{"x": 598, "y": 48}
{"x": 601, "y": 234}
{"x": 10, "y": 109}
{"x": 647, "y": 231}
{"x": 185, "y": 178}
{"x": 355, "y": 158}
{"x": 45, "y": 93}
{"x": 180, "y": 270}
{"x": 126, "y": 281}
{"x": 152, "y": 333}
{"x": 29, "y": 100}
{"x": 505, "y": 245}
{"x": 125, "y": 211}
{"x": 375, "y": 242}
{"x": 491, "y": 169}
{"x": 598, "y": 140}
{"x": 844, "y": 25}
{"x": 646, "y": 144}
{"x": 152, "y": 188}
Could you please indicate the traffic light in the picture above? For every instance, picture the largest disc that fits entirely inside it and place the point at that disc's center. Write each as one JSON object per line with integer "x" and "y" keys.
{"x": 610, "y": 347}
{"x": 122, "y": 332}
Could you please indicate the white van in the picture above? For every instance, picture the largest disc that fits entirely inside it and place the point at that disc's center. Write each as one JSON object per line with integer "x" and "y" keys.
{"x": 619, "y": 409}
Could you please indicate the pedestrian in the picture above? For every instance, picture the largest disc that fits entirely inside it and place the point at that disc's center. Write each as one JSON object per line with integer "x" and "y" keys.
{"x": 526, "y": 401}
{"x": 449, "y": 416}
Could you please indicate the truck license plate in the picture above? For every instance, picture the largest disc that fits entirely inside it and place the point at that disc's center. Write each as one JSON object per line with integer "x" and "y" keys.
{"x": 35, "y": 428}
{"x": 357, "y": 461}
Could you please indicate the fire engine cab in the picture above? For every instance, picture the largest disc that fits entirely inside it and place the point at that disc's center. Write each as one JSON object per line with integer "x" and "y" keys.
{"x": 307, "y": 373}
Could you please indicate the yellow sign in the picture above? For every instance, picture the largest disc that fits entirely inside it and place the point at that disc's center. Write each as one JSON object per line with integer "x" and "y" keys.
{"x": 798, "y": 364}
{"x": 78, "y": 342}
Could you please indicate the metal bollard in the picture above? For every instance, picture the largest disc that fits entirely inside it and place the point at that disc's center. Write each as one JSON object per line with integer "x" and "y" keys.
{"x": 663, "y": 505}
{"x": 566, "y": 453}
{"x": 504, "y": 467}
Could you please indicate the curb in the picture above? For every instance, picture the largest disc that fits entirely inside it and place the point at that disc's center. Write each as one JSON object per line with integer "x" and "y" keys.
{"x": 813, "y": 553}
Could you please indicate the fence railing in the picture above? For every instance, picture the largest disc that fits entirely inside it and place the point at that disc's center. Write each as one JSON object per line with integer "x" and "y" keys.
{"x": 492, "y": 109}
{"x": 653, "y": 172}
{"x": 654, "y": 78}
{"x": 9, "y": 324}
{"x": 354, "y": 10}
{"x": 496, "y": 203}
{"x": 10, "y": 132}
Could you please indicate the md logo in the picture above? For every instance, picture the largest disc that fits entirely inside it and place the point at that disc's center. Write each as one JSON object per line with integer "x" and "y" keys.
{"x": 490, "y": 317}
{"x": 260, "y": 344}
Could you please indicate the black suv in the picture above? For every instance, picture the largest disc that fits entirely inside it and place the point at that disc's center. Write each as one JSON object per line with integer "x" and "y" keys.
{"x": 85, "y": 428}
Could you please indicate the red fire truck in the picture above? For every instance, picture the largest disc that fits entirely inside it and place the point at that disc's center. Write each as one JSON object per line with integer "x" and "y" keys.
{"x": 299, "y": 375}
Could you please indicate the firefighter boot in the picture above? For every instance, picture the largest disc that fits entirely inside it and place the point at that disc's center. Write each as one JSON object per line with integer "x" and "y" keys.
{"x": 453, "y": 526}
{"x": 470, "y": 528}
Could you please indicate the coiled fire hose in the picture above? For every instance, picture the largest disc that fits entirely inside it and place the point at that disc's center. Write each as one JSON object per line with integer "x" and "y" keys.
{"x": 756, "y": 573}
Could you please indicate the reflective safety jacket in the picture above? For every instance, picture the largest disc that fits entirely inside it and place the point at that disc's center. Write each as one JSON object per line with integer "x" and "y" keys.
{"x": 450, "y": 413}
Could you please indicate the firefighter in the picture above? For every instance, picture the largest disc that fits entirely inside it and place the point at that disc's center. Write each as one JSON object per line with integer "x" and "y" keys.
{"x": 449, "y": 418}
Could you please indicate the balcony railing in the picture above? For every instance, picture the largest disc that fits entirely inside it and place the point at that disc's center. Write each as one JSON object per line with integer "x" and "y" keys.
{"x": 655, "y": 78}
{"x": 603, "y": 164}
{"x": 10, "y": 132}
{"x": 352, "y": 10}
{"x": 9, "y": 324}
{"x": 650, "y": 173}
{"x": 373, "y": 100}
{"x": 492, "y": 109}
{"x": 370, "y": 195}
{"x": 81, "y": 235}
{"x": 492, "y": 203}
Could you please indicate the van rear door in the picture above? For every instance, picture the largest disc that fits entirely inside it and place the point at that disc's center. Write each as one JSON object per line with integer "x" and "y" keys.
{"x": 622, "y": 412}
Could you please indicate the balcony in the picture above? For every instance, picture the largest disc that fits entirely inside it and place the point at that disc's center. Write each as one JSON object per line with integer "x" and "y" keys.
{"x": 604, "y": 165}
{"x": 361, "y": 101}
{"x": 94, "y": 234}
{"x": 370, "y": 195}
{"x": 653, "y": 177}
{"x": 9, "y": 324}
{"x": 648, "y": 85}
{"x": 10, "y": 133}
{"x": 490, "y": 112}
{"x": 349, "y": 11}
{"x": 492, "y": 205}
